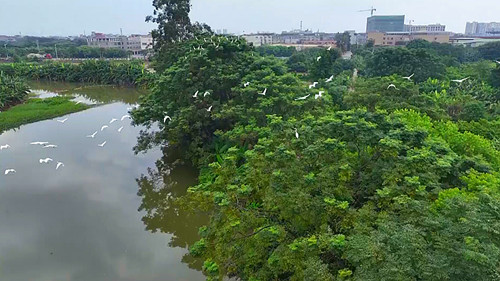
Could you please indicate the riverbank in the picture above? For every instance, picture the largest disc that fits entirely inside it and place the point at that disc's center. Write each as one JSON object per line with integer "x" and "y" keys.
{"x": 36, "y": 109}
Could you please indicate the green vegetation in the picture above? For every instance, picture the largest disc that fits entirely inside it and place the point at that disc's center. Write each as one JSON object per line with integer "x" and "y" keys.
{"x": 65, "y": 48}
{"x": 94, "y": 71}
{"x": 366, "y": 182}
{"x": 12, "y": 90}
{"x": 35, "y": 109}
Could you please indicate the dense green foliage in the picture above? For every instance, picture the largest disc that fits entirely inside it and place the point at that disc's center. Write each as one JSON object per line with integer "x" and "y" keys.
{"x": 277, "y": 51}
{"x": 80, "y": 52}
{"x": 12, "y": 90}
{"x": 93, "y": 71}
{"x": 36, "y": 109}
{"x": 378, "y": 178}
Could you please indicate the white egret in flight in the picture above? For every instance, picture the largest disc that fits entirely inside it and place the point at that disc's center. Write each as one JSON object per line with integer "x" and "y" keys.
{"x": 392, "y": 86}
{"x": 2, "y": 147}
{"x": 46, "y": 160}
{"x": 409, "y": 77}
{"x": 63, "y": 120}
{"x": 113, "y": 121}
{"x": 50, "y": 146}
{"x": 93, "y": 135}
{"x": 125, "y": 117}
{"x": 303, "y": 98}
{"x": 120, "y": 129}
{"x": 102, "y": 144}
{"x": 39, "y": 143}
{"x": 59, "y": 165}
{"x": 329, "y": 79}
{"x": 460, "y": 81}
{"x": 104, "y": 127}
{"x": 10, "y": 171}
{"x": 264, "y": 92}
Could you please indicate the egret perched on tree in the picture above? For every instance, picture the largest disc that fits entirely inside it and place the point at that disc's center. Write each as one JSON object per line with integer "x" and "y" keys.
{"x": 296, "y": 133}
{"x": 196, "y": 94}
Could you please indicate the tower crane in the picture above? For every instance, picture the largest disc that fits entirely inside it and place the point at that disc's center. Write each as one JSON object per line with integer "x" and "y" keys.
{"x": 369, "y": 10}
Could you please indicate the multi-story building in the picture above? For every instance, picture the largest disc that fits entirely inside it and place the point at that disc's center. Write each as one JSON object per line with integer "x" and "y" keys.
{"x": 425, "y": 28}
{"x": 259, "y": 39}
{"x": 304, "y": 37}
{"x": 134, "y": 43}
{"x": 385, "y": 24}
{"x": 402, "y": 38}
{"x": 482, "y": 29}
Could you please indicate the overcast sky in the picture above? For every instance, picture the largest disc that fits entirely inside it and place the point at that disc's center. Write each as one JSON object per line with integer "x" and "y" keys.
{"x": 73, "y": 17}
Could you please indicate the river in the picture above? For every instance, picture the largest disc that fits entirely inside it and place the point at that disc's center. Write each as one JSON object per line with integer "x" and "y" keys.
{"x": 81, "y": 222}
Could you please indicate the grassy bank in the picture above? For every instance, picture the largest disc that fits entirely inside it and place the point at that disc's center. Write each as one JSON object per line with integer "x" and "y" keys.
{"x": 36, "y": 109}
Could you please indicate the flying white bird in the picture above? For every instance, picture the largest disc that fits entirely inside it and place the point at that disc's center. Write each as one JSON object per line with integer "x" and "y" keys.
{"x": 104, "y": 127}
{"x": 296, "y": 133}
{"x": 39, "y": 143}
{"x": 129, "y": 108}
{"x": 313, "y": 85}
{"x": 409, "y": 77}
{"x": 319, "y": 95}
{"x": 264, "y": 92}
{"x": 246, "y": 84}
{"x": 78, "y": 102}
{"x": 196, "y": 94}
{"x": 318, "y": 58}
{"x": 460, "y": 81}
{"x": 392, "y": 86}
{"x": 2, "y": 147}
{"x": 102, "y": 144}
{"x": 206, "y": 94}
{"x": 329, "y": 48}
{"x": 63, "y": 120}
{"x": 9, "y": 171}
{"x": 50, "y": 146}
{"x": 120, "y": 129}
{"x": 125, "y": 117}
{"x": 59, "y": 165}
{"x": 303, "y": 98}
{"x": 209, "y": 109}
{"x": 497, "y": 61}
{"x": 113, "y": 121}
{"x": 165, "y": 119}
{"x": 329, "y": 79}
{"x": 46, "y": 160}
{"x": 93, "y": 135}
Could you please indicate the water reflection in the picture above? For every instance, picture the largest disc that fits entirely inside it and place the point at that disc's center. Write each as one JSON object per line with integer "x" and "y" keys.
{"x": 81, "y": 222}
{"x": 159, "y": 191}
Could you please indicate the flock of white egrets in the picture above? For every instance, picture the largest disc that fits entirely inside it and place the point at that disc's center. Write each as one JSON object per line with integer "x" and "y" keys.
{"x": 47, "y": 145}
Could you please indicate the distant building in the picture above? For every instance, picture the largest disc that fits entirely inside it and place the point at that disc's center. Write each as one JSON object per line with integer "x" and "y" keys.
{"x": 425, "y": 28}
{"x": 305, "y": 37}
{"x": 482, "y": 29}
{"x": 259, "y": 39}
{"x": 134, "y": 43}
{"x": 402, "y": 38}
{"x": 357, "y": 38}
{"x": 385, "y": 24}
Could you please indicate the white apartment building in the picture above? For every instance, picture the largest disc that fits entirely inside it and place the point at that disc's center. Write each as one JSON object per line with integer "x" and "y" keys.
{"x": 425, "y": 28}
{"x": 259, "y": 39}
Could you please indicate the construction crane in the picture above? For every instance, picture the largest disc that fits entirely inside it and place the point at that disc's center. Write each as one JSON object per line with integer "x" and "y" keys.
{"x": 369, "y": 10}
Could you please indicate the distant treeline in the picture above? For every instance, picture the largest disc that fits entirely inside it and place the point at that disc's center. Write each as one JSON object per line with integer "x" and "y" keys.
{"x": 66, "y": 48}
{"x": 92, "y": 71}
